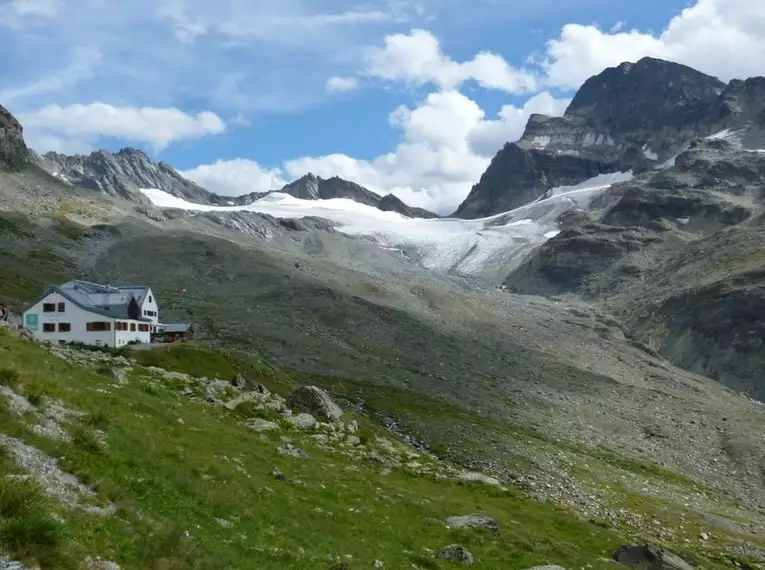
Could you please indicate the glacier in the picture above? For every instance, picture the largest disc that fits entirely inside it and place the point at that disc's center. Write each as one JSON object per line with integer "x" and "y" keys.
{"x": 481, "y": 247}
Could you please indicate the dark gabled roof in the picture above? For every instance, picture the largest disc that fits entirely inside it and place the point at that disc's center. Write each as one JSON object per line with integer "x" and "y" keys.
{"x": 102, "y": 300}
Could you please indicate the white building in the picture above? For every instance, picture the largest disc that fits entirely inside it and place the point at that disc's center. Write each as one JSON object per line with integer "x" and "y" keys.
{"x": 93, "y": 314}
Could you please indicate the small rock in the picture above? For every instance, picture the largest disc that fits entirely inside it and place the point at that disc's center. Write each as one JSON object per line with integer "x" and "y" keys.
{"x": 224, "y": 523}
{"x": 292, "y": 452}
{"x": 260, "y": 425}
{"x": 379, "y": 564}
{"x": 118, "y": 375}
{"x": 457, "y": 553}
{"x": 99, "y": 564}
{"x": 352, "y": 440}
{"x": 473, "y": 521}
{"x": 239, "y": 381}
{"x": 472, "y": 477}
{"x": 278, "y": 475}
{"x": 704, "y": 536}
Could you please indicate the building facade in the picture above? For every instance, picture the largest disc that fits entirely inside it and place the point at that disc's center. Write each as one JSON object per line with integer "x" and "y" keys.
{"x": 93, "y": 314}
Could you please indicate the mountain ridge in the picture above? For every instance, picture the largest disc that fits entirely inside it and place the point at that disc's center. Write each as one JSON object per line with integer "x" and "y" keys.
{"x": 124, "y": 173}
{"x": 630, "y": 117}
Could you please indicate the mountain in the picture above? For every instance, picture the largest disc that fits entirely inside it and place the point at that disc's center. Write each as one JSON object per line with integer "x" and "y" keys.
{"x": 563, "y": 410}
{"x": 13, "y": 149}
{"x": 122, "y": 174}
{"x": 391, "y": 203}
{"x": 631, "y": 117}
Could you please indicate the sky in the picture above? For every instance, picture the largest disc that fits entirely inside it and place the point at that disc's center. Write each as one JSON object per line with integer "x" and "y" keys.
{"x": 412, "y": 97}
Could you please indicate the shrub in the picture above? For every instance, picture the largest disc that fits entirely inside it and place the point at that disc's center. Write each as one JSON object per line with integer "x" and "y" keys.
{"x": 9, "y": 377}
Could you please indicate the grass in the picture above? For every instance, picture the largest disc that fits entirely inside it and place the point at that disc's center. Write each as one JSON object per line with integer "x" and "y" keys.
{"x": 170, "y": 478}
{"x": 27, "y": 527}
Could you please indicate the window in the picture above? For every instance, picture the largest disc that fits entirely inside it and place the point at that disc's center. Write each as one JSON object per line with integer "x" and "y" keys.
{"x": 49, "y": 307}
{"x": 98, "y": 326}
{"x": 49, "y": 327}
{"x": 64, "y": 327}
{"x": 150, "y": 299}
{"x": 62, "y": 307}
{"x": 132, "y": 327}
{"x": 121, "y": 326}
{"x": 143, "y": 328}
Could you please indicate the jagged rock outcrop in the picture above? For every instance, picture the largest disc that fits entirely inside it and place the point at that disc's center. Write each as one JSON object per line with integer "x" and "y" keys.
{"x": 13, "y": 149}
{"x": 391, "y": 203}
{"x": 122, "y": 174}
{"x": 631, "y": 117}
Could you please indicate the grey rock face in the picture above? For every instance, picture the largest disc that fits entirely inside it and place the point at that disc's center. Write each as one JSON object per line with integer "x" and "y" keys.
{"x": 630, "y": 117}
{"x": 313, "y": 400}
{"x": 13, "y": 149}
{"x": 122, "y": 174}
{"x": 391, "y": 203}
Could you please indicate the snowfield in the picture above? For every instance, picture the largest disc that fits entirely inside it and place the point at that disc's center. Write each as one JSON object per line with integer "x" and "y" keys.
{"x": 469, "y": 247}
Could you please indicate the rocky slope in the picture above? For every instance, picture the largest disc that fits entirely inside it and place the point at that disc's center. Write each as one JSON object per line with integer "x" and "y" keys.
{"x": 678, "y": 252}
{"x": 631, "y": 117}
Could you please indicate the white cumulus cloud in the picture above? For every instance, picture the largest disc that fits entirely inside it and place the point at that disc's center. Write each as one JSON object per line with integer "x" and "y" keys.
{"x": 720, "y": 37}
{"x": 157, "y": 127}
{"x": 337, "y": 84}
{"x": 236, "y": 177}
{"x": 417, "y": 58}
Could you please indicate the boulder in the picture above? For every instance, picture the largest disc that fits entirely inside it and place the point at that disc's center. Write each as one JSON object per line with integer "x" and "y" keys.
{"x": 473, "y": 521}
{"x": 303, "y": 421}
{"x": 119, "y": 376}
{"x": 457, "y": 553}
{"x": 316, "y": 401}
{"x": 648, "y": 557}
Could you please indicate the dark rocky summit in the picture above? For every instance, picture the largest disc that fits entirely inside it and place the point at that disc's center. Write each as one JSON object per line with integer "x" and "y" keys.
{"x": 391, "y": 203}
{"x": 631, "y": 117}
{"x": 13, "y": 150}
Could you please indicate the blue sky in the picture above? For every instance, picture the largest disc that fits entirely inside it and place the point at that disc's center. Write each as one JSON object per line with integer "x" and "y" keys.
{"x": 240, "y": 95}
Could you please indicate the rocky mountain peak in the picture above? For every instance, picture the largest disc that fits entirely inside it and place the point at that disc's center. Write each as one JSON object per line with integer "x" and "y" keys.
{"x": 13, "y": 149}
{"x": 651, "y": 94}
{"x": 123, "y": 174}
{"x": 631, "y": 117}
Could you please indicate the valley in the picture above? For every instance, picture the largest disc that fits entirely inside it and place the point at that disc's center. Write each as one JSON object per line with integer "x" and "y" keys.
{"x": 590, "y": 339}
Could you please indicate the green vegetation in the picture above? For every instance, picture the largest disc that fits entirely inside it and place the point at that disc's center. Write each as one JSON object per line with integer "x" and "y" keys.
{"x": 167, "y": 478}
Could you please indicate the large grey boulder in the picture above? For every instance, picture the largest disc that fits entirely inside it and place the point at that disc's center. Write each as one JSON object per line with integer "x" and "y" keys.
{"x": 648, "y": 557}
{"x": 314, "y": 401}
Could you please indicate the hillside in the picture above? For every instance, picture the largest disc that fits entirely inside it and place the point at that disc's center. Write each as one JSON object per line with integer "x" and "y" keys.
{"x": 194, "y": 466}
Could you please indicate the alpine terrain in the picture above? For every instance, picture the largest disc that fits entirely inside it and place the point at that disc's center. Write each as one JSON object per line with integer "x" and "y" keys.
{"x": 567, "y": 372}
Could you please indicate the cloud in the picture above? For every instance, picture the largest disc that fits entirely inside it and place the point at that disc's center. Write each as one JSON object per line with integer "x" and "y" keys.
{"x": 417, "y": 58}
{"x": 236, "y": 177}
{"x": 719, "y": 37}
{"x": 81, "y": 124}
{"x": 337, "y": 84}
{"x": 446, "y": 144}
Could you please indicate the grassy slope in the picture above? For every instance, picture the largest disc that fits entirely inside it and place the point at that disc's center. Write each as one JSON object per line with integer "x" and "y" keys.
{"x": 175, "y": 475}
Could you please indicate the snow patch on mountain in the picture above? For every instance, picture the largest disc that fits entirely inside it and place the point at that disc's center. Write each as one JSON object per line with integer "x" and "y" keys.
{"x": 470, "y": 247}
